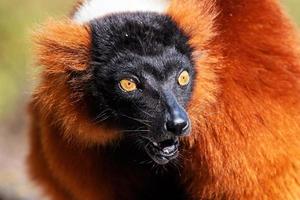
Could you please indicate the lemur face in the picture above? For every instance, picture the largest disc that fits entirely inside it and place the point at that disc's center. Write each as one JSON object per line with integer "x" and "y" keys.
{"x": 142, "y": 79}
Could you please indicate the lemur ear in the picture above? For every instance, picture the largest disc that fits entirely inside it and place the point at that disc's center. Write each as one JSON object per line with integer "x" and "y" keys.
{"x": 63, "y": 46}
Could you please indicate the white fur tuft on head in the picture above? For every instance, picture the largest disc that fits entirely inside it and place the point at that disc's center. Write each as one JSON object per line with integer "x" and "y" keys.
{"x": 91, "y": 9}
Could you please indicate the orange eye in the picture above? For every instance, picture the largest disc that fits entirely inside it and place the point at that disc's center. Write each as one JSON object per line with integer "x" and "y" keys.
{"x": 127, "y": 85}
{"x": 184, "y": 78}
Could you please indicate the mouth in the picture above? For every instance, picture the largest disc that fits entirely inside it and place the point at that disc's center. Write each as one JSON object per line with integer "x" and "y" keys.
{"x": 164, "y": 151}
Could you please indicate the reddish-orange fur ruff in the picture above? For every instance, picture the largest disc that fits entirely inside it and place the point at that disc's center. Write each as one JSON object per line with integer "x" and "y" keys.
{"x": 246, "y": 143}
{"x": 64, "y": 47}
{"x": 245, "y": 109}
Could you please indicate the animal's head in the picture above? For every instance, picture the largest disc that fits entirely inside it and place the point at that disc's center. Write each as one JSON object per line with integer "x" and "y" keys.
{"x": 134, "y": 73}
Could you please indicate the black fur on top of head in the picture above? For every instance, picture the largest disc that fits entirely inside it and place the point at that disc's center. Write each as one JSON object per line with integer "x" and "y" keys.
{"x": 149, "y": 49}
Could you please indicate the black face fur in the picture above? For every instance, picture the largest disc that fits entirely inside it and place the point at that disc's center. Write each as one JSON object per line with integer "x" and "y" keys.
{"x": 152, "y": 51}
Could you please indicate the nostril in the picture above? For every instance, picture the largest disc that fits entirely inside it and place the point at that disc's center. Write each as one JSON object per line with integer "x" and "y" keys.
{"x": 186, "y": 126}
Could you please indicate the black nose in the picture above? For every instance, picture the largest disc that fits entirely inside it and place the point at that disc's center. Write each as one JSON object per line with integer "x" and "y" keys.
{"x": 178, "y": 126}
{"x": 177, "y": 123}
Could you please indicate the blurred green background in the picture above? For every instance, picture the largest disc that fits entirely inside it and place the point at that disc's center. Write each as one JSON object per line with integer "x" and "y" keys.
{"x": 17, "y": 18}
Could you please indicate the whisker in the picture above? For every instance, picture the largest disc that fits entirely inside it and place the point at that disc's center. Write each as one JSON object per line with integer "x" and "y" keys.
{"x": 102, "y": 113}
{"x": 145, "y": 112}
{"x": 138, "y": 120}
{"x": 126, "y": 131}
{"x": 145, "y": 137}
{"x": 102, "y": 119}
{"x": 95, "y": 63}
{"x": 135, "y": 118}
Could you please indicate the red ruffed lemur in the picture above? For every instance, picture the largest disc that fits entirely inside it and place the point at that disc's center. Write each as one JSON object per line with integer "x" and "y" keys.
{"x": 181, "y": 100}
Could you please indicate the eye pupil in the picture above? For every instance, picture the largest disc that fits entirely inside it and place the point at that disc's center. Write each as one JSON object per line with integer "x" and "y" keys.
{"x": 184, "y": 78}
{"x": 127, "y": 85}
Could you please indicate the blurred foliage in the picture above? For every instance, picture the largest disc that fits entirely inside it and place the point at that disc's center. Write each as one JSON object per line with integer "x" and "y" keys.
{"x": 293, "y": 7}
{"x": 17, "y": 18}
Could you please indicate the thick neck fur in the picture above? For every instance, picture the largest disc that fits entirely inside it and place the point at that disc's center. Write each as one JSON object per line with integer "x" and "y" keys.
{"x": 244, "y": 111}
{"x": 80, "y": 172}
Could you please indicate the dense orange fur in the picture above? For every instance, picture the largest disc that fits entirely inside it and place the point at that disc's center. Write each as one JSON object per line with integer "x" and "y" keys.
{"x": 63, "y": 115}
{"x": 64, "y": 47}
{"x": 245, "y": 110}
{"x": 246, "y": 143}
